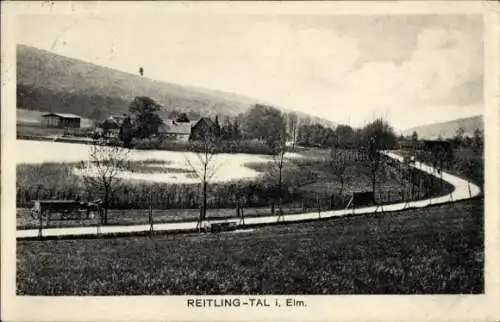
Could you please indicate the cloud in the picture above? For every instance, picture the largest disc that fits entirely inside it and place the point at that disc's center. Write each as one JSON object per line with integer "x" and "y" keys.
{"x": 424, "y": 87}
{"x": 269, "y": 60}
{"x": 469, "y": 92}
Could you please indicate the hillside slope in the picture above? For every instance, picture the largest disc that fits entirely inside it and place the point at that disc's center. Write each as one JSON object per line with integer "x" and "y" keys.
{"x": 54, "y": 83}
{"x": 447, "y": 129}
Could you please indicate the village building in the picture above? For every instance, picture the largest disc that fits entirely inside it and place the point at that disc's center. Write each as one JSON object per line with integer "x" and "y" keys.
{"x": 111, "y": 126}
{"x": 180, "y": 129}
{"x": 174, "y": 130}
{"x": 205, "y": 127}
{"x": 61, "y": 120}
{"x": 188, "y": 131}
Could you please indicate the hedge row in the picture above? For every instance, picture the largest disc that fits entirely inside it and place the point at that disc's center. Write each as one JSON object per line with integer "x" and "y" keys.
{"x": 233, "y": 146}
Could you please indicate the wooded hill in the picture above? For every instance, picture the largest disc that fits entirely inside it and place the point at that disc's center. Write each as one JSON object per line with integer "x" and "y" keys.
{"x": 53, "y": 83}
{"x": 448, "y": 129}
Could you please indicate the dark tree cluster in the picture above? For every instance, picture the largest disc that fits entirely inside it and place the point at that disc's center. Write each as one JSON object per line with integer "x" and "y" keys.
{"x": 264, "y": 123}
{"x": 145, "y": 111}
{"x": 315, "y": 135}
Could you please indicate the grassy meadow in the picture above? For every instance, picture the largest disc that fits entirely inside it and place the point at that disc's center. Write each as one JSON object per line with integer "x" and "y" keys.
{"x": 436, "y": 250}
{"x": 307, "y": 182}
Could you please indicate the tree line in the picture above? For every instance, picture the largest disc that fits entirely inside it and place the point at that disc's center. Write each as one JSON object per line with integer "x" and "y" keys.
{"x": 459, "y": 140}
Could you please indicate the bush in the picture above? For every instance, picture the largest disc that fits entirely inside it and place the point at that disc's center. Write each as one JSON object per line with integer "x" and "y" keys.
{"x": 243, "y": 146}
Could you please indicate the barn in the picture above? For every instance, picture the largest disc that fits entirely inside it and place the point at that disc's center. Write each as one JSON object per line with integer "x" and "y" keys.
{"x": 61, "y": 120}
{"x": 205, "y": 127}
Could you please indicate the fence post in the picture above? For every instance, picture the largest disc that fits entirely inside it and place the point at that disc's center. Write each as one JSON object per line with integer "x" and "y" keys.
{"x": 150, "y": 210}
{"x": 200, "y": 220}
{"x": 150, "y": 215}
{"x": 319, "y": 206}
{"x": 40, "y": 227}
{"x": 99, "y": 219}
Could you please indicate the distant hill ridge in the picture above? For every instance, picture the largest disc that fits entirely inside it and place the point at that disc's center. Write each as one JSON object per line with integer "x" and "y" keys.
{"x": 447, "y": 129}
{"x": 55, "y": 83}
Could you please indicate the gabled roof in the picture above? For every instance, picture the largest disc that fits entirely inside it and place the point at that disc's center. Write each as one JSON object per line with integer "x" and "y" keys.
{"x": 63, "y": 115}
{"x": 208, "y": 121}
{"x": 173, "y": 127}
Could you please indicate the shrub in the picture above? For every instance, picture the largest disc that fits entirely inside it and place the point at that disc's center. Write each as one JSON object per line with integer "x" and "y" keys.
{"x": 243, "y": 146}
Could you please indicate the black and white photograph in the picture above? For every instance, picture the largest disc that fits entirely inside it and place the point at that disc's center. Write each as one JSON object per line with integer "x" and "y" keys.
{"x": 229, "y": 156}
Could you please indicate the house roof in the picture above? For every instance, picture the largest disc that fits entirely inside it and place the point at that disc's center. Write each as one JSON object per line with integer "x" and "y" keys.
{"x": 208, "y": 121}
{"x": 114, "y": 120}
{"x": 62, "y": 115}
{"x": 173, "y": 127}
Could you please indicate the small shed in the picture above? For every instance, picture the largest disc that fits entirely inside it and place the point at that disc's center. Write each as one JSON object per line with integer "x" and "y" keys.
{"x": 61, "y": 120}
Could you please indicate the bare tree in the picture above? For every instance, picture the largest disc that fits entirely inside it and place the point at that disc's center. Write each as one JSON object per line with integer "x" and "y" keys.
{"x": 277, "y": 144}
{"x": 278, "y": 163}
{"x": 478, "y": 140}
{"x": 337, "y": 163}
{"x": 293, "y": 123}
{"x": 459, "y": 136}
{"x": 101, "y": 174}
{"x": 204, "y": 167}
{"x": 414, "y": 140}
{"x": 150, "y": 208}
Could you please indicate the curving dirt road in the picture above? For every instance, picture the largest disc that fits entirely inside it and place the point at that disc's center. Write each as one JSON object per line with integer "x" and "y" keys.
{"x": 463, "y": 189}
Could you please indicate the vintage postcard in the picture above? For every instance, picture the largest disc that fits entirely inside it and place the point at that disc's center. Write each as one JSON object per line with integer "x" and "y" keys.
{"x": 229, "y": 161}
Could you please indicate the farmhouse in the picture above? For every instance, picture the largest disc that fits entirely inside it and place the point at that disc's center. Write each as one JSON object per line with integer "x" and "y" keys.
{"x": 61, "y": 120}
{"x": 188, "y": 131}
{"x": 203, "y": 128}
{"x": 175, "y": 130}
{"x": 111, "y": 126}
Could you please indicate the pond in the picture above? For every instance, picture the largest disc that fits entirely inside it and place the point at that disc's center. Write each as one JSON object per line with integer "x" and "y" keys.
{"x": 228, "y": 166}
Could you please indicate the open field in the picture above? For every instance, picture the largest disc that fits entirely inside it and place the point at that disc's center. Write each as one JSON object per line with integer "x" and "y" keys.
{"x": 427, "y": 251}
{"x": 307, "y": 183}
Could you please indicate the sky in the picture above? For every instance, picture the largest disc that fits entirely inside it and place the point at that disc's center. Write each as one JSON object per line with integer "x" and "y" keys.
{"x": 409, "y": 69}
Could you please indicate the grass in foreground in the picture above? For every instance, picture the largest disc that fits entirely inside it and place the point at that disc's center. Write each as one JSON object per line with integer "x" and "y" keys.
{"x": 433, "y": 250}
